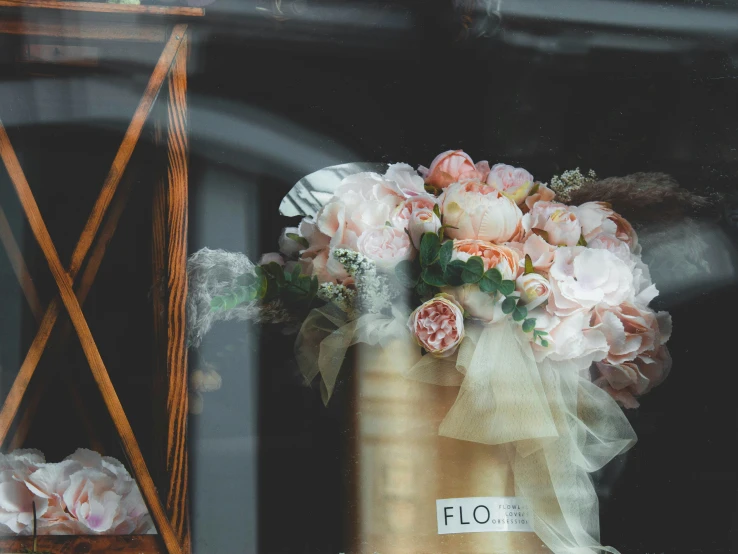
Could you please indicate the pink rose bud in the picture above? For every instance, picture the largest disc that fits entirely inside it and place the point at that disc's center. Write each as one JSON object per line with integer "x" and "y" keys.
{"x": 438, "y": 325}
{"x": 271, "y": 257}
{"x": 451, "y": 167}
{"x": 514, "y": 182}
{"x": 534, "y": 290}
{"x": 422, "y": 221}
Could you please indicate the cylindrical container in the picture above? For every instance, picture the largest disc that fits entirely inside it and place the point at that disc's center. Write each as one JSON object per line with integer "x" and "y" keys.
{"x": 403, "y": 466}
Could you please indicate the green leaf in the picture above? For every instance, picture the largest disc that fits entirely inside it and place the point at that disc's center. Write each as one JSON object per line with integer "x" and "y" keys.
{"x": 544, "y": 343}
{"x": 274, "y": 270}
{"x": 473, "y": 270}
{"x": 528, "y": 265}
{"x": 509, "y": 304}
{"x": 541, "y": 233}
{"x": 535, "y": 188}
{"x": 295, "y": 273}
{"x": 261, "y": 289}
{"x": 430, "y": 245}
{"x": 447, "y": 250}
{"x": 452, "y": 273}
{"x": 487, "y": 285}
{"x": 582, "y": 242}
{"x": 432, "y": 190}
{"x": 433, "y": 275}
{"x": 529, "y": 325}
{"x": 407, "y": 273}
{"x": 437, "y": 211}
{"x": 302, "y": 241}
{"x": 424, "y": 289}
{"x": 520, "y": 313}
{"x": 507, "y": 287}
{"x": 494, "y": 275}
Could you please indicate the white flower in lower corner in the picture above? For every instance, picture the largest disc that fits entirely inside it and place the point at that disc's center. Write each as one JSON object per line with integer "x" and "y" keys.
{"x": 16, "y": 500}
{"x": 438, "y": 325}
{"x": 386, "y": 246}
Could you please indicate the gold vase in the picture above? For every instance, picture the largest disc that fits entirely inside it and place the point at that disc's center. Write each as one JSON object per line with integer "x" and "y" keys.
{"x": 403, "y": 466}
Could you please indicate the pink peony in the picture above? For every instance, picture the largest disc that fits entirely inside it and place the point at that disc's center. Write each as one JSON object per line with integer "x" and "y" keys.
{"x": 629, "y": 330}
{"x": 597, "y": 218}
{"x": 453, "y": 166}
{"x": 534, "y": 290}
{"x": 406, "y": 180}
{"x": 474, "y": 210}
{"x": 513, "y": 182}
{"x": 557, "y": 223}
{"x": 540, "y": 252}
{"x": 386, "y": 246}
{"x": 626, "y": 381}
{"x": 541, "y": 194}
{"x": 438, "y": 325}
{"x": 569, "y": 337}
{"x": 401, "y": 216}
{"x": 422, "y": 221}
{"x": 582, "y": 278}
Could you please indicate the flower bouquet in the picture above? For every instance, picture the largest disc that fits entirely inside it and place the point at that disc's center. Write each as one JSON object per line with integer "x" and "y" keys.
{"x": 527, "y": 316}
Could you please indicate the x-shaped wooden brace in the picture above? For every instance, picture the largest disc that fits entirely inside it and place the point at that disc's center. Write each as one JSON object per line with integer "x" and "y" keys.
{"x": 172, "y": 59}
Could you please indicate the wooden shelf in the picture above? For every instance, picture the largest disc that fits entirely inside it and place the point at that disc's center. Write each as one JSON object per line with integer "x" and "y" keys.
{"x": 101, "y": 7}
{"x": 93, "y": 544}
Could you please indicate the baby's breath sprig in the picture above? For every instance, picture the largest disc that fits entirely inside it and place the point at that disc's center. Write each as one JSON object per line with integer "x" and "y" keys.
{"x": 569, "y": 181}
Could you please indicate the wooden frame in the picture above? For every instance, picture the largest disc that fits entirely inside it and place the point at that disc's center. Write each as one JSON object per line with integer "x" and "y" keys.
{"x": 167, "y": 24}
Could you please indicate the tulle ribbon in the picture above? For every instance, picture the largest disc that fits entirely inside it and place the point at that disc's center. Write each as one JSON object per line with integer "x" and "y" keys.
{"x": 556, "y": 425}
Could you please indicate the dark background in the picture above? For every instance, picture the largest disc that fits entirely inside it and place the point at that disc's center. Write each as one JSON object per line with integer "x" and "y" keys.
{"x": 615, "y": 86}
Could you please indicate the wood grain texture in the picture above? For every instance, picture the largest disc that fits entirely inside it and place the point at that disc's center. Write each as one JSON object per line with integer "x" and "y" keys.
{"x": 99, "y": 372}
{"x": 101, "y": 31}
{"x": 20, "y": 384}
{"x": 101, "y": 7}
{"x": 19, "y": 267}
{"x": 126, "y": 544}
{"x": 177, "y": 393}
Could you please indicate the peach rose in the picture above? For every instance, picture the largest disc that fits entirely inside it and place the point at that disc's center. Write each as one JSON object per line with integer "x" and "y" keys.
{"x": 582, "y": 278}
{"x": 386, "y": 246}
{"x": 401, "y": 216}
{"x": 506, "y": 259}
{"x": 453, "y": 166}
{"x": 422, "y": 221}
{"x": 534, "y": 290}
{"x": 475, "y": 210}
{"x": 557, "y": 221}
{"x": 597, "y": 218}
{"x": 540, "y": 252}
{"x": 438, "y": 325}
{"x": 542, "y": 194}
{"x": 513, "y": 182}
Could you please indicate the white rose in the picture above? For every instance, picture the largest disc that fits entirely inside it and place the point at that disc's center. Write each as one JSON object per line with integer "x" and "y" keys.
{"x": 408, "y": 182}
{"x": 534, "y": 290}
{"x": 583, "y": 277}
{"x": 569, "y": 338}
{"x": 422, "y": 221}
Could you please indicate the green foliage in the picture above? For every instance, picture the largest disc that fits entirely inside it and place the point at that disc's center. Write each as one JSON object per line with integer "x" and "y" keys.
{"x": 507, "y": 287}
{"x": 473, "y": 270}
{"x": 444, "y": 256}
{"x": 509, "y": 305}
{"x": 528, "y": 265}
{"x": 433, "y": 276}
{"x": 302, "y": 241}
{"x": 407, "y": 273}
{"x": 430, "y": 247}
{"x": 270, "y": 282}
{"x": 582, "y": 242}
{"x": 529, "y": 325}
{"x": 520, "y": 313}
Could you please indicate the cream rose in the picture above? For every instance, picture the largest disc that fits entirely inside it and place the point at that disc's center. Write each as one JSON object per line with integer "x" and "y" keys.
{"x": 438, "y": 325}
{"x": 453, "y": 166}
{"x": 504, "y": 258}
{"x": 534, "y": 290}
{"x": 514, "y": 182}
{"x": 583, "y": 277}
{"x": 475, "y": 210}
{"x": 569, "y": 337}
{"x": 542, "y": 194}
{"x": 386, "y": 246}
{"x": 406, "y": 179}
{"x": 557, "y": 221}
{"x": 422, "y": 221}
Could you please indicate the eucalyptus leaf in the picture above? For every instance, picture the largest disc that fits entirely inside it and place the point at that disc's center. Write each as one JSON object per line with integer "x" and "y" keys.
{"x": 528, "y": 265}
{"x": 520, "y": 313}
{"x": 544, "y": 343}
{"x": 452, "y": 274}
{"x": 423, "y": 289}
{"x": 437, "y": 211}
{"x": 494, "y": 275}
{"x": 407, "y": 273}
{"x": 529, "y": 325}
{"x": 473, "y": 270}
{"x": 433, "y": 275}
{"x": 295, "y": 273}
{"x": 447, "y": 250}
{"x": 488, "y": 285}
{"x": 509, "y": 304}
{"x": 430, "y": 245}
{"x": 507, "y": 287}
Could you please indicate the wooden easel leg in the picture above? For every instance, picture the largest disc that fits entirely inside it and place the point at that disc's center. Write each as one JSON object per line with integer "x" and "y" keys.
{"x": 177, "y": 456}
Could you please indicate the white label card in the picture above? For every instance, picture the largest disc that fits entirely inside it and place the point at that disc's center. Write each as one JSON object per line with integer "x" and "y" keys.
{"x": 482, "y": 515}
